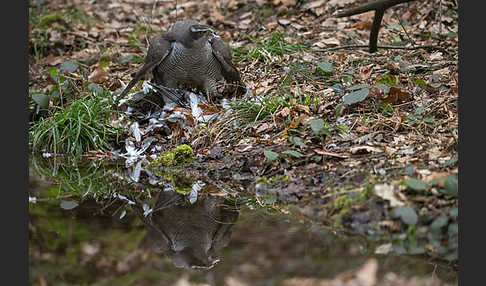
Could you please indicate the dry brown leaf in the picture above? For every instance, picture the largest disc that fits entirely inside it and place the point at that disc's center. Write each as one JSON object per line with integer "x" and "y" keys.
{"x": 52, "y": 60}
{"x": 441, "y": 176}
{"x": 366, "y": 276}
{"x": 283, "y": 113}
{"x": 313, "y": 4}
{"x": 390, "y": 151}
{"x": 217, "y": 16}
{"x": 390, "y": 224}
{"x": 365, "y": 149}
{"x": 362, "y": 25}
{"x": 297, "y": 26}
{"x": 395, "y": 95}
{"x": 298, "y": 108}
{"x": 330, "y": 42}
{"x": 245, "y": 24}
{"x": 208, "y": 109}
{"x": 365, "y": 72}
{"x": 301, "y": 119}
{"x": 387, "y": 193}
{"x": 340, "y": 3}
{"x": 394, "y": 68}
{"x": 331, "y": 154}
{"x": 99, "y": 75}
{"x": 286, "y": 3}
{"x": 264, "y": 127}
{"x": 436, "y": 56}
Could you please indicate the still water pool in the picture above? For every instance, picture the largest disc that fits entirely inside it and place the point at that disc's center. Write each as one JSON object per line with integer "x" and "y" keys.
{"x": 79, "y": 237}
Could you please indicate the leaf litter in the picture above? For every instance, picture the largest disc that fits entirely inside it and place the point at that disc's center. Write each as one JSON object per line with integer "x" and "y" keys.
{"x": 407, "y": 96}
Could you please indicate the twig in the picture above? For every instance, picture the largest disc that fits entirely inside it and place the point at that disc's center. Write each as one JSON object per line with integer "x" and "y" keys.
{"x": 380, "y": 47}
{"x": 406, "y": 33}
{"x": 379, "y": 7}
{"x": 440, "y": 17}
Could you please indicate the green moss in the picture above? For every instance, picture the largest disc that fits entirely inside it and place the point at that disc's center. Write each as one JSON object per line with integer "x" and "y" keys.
{"x": 280, "y": 178}
{"x": 342, "y": 204}
{"x": 181, "y": 156}
{"x": 262, "y": 180}
{"x": 48, "y": 19}
{"x": 181, "y": 183}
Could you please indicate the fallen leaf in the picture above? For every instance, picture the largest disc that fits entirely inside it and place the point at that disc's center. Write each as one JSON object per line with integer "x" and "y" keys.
{"x": 362, "y": 25}
{"x": 331, "y": 154}
{"x": 283, "y": 22}
{"x": 365, "y": 149}
{"x": 387, "y": 193}
{"x": 415, "y": 184}
{"x": 301, "y": 119}
{"x": 366, "y": 276}
{"x": 283, "y": 113}
{"x": 331, "y": 42}
{"x": 208, "y": 109}
{"x": 217, "y": 16}
{"x": 285, "y": 3}
{"x": 356, "y": 96}
{"x": 99, "y": 75}
{"x": 406, "y": 214}
{"x": 396, "y": 95}
{"x": 384, "y": 248}
{"x": 68, "y": 205}
{"x": 271, "y": 156}
{"x": 436, "y": 56}
{"x": 52, "y": 60}
{"x": 313, "y": 4}
{"x": 264, "y": 127}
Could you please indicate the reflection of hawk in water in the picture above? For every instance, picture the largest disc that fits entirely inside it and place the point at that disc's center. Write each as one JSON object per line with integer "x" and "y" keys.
{"x": 190, "y": 234}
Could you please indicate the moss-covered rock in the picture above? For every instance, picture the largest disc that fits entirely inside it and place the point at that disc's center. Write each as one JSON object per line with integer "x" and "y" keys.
{"x": 181, "y": 183}
{"x": 181, "y": 156}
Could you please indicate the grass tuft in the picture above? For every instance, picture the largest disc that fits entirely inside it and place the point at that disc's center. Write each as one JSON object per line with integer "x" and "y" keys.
{"x": 265, "y": 49}
{"x": 83, "y": 126}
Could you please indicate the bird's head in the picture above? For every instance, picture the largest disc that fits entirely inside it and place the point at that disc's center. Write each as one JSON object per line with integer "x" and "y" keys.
{"x": 199, "y": 31}
{"x": 190, "y": 33}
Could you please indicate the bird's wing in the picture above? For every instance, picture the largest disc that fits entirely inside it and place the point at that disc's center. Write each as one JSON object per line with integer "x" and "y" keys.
{"x": 222, "y": 53}
{"x": 159, "y": 47}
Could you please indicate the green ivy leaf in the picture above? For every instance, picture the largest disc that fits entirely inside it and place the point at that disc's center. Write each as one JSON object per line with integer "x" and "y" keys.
{"x": 68, "y": 205}
{"x": 69, "y": 66}
{"x": 316, "y": 125}
{"x": 450, "y": 162}
{"x": 453, "y": 229}
{"x": 325, "y": 67}
{"x": 96, "y": 88}
{"x": 297, "y": 142}
{"x": 358, "y": 86}
{"x": 356, "y": 96}
{"x": 383, "y": 87}
{"x": 438, "y": 224}
{"x": 454, "y": 212}
{"x": 271, "y": 156}
{"x": 415, "y": 184}
{"x": 406, "y": 214}
{"x": 451, "y": 187}
{"x": 41, "y": 99}
{"x": 126, "y": 59}
{"x": 292, "y": 153}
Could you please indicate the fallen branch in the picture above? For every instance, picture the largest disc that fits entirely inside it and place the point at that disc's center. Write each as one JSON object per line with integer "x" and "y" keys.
{"x": 381, "y": 47}
{"x": 379, "y": 6}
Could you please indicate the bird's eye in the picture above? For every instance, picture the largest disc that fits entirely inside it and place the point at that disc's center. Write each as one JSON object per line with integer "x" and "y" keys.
{"x": 202, "y": 33}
